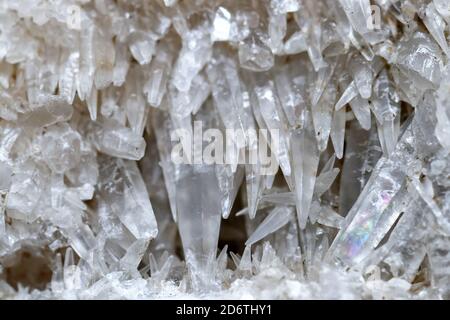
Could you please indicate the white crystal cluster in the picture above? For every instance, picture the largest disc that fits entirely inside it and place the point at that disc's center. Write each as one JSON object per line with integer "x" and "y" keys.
{"x": 92, "y": 205}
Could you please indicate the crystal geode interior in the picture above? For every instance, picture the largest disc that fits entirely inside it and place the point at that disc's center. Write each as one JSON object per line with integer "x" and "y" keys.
{"x": 352, "y": 98}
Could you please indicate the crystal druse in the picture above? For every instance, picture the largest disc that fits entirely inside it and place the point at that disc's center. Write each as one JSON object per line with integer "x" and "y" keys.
{"x": 352, "y": 98}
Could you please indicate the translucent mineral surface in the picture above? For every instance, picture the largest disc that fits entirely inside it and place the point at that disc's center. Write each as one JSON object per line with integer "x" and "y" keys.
{"x": 272, "y": 149}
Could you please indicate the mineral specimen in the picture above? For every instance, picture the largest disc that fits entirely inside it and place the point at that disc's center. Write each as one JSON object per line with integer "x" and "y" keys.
{"x": 266, "y": 149}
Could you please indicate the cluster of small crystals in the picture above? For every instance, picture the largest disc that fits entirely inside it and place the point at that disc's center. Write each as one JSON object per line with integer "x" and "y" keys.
{"x": 359, "y": 91}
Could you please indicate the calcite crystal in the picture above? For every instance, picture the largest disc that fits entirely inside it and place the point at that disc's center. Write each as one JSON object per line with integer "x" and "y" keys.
{"x": 265, "y": 149}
